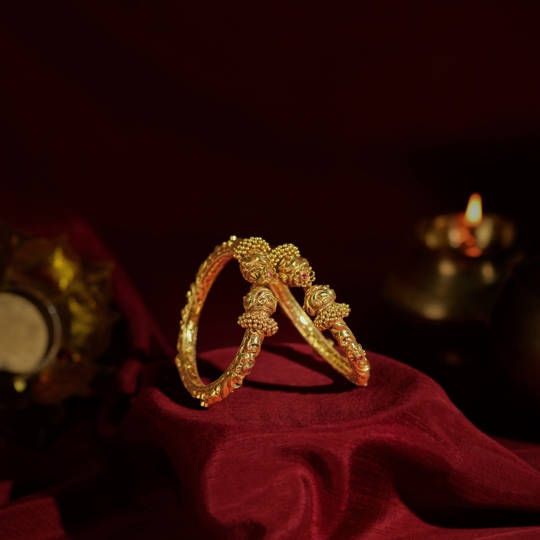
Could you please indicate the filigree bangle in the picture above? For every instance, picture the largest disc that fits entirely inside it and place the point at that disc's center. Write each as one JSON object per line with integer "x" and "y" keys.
{"x": 355, "y": 365}
{"x": 319, "y": 301}
{"x": 259, "y": 304}
{"x": 271, "y": 272}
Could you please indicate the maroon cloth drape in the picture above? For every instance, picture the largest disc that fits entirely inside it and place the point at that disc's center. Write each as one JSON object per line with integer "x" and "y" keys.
{"x": 297, "y": 452}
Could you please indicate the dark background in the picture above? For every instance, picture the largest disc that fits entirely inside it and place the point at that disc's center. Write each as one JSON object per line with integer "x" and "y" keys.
{"x": 168, "y": 126}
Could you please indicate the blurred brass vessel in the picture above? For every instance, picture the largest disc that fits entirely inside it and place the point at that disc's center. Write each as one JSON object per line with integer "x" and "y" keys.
{"x": 57, "y": 318}
{"x": 451, "y": 273}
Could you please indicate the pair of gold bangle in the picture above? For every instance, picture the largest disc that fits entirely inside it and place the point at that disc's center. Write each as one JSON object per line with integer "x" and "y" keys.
{"x": 271, "y": 273}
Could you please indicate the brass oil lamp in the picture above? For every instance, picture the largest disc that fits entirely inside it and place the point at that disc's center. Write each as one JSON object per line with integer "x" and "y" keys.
{"x": 455, "y": 266}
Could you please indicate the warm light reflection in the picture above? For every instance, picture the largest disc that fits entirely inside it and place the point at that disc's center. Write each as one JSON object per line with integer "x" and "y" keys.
{"x": 488, "y": 272}
{"x": 19, "y": 384}
{"x": 473, "y": 214}
{"x": 447, "y": 267}
{"x": 434, "y": 310}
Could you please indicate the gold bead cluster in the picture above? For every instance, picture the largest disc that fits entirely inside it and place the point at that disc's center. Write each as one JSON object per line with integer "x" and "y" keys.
{"x": 258, "y": 321}
{"x": 262, "y": 265}
{"x": 293, "y": 270}
{"x": 284, "y": 254}
{"x": 249, "y": 245}
{"x": 327, "y": 317}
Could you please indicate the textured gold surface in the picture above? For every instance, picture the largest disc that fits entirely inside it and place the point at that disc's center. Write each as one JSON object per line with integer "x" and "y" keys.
{"x": 355, "y": 365}
{"x": 271, "y": 272}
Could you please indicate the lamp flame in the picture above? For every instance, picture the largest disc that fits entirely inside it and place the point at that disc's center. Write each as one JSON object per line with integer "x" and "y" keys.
{"x": 465, "y": 234}
{"x": 473, "y": 214}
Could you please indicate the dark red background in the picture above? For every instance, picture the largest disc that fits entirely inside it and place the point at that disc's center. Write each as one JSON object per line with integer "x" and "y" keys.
{"x": 168, "y": 126}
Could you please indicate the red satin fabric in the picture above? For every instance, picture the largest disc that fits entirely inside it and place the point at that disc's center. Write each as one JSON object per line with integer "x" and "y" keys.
{"x": 296, "y": 453}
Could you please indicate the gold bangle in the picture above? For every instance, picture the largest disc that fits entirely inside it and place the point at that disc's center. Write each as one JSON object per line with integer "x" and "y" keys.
{"x": 271, "y": 272}
{"x": 319, "y": 301}
{"x": 259, "y": 303}
{"x": 355, "y": 365}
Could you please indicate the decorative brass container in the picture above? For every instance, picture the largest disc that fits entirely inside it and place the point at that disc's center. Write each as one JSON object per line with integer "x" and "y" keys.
{"x": 56, "y": 318}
